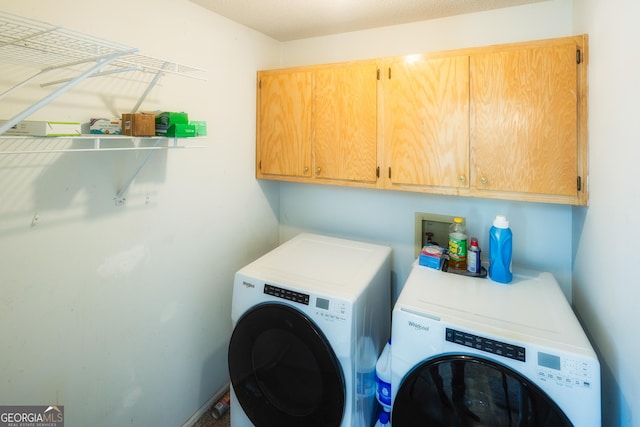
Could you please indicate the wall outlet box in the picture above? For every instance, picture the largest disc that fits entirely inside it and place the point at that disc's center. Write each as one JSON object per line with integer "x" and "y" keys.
{"x": 431, "y": 229}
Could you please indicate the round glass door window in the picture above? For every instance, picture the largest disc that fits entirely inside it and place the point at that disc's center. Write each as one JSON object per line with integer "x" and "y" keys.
{"x": 283, "y": 370}
{"x": 460, "y": 390}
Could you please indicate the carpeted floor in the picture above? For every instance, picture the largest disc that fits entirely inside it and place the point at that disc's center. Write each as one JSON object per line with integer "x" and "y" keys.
{"x": 207, "y": 420}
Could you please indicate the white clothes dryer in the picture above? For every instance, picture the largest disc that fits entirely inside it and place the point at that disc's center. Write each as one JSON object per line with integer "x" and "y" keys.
{"x": 472, "y": 352}
{"x": 310, "y": 318}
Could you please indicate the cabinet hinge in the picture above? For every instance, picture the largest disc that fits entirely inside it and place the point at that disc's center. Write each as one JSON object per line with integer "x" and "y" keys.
{"x": 389, "y": 172}
{"x": 260, "y": 165}
{"x": 259, "y": 84}
{"x": 578, "y": 56}
{"x": 378, "y": 74}
{"x": 579, "y": 184}
{"x": 389, "y": 73}
{"x": 378, "y": 172}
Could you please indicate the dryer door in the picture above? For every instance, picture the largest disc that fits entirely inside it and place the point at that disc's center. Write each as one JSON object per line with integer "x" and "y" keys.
{"x": 283, "y": 369}
{"x": 461, "y": 390}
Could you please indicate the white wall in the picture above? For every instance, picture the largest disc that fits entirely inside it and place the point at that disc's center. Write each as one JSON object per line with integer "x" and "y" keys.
{"x": 605, "y": 275}
{"x": 530, "y": 22}
{"x": 122, "y": 313}
{"x": 542, "y": 232}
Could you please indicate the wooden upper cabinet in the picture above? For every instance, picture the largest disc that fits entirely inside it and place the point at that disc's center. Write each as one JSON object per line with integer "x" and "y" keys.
{"x": 426, "y": 122}
{"x": 506, "y": 121}
{"x": 284, "y": 124}
{"x": 528, "y": 124}
{"x": 345, "y": 131}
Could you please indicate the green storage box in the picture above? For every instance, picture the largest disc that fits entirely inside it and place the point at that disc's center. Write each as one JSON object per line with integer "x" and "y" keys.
{"x": 181, "y": 130}
{"x": 201, "y": 127}
{"x": 168, "y": 118}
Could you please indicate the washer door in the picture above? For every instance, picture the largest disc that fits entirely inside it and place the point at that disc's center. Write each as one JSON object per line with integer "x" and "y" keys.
{"x": 284, "y": 371}
{"x": 460, "y": 390}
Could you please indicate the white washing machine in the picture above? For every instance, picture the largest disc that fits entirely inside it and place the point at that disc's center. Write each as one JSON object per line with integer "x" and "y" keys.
{"x": 472, "y": 352}
{"x": 310, "y": 318}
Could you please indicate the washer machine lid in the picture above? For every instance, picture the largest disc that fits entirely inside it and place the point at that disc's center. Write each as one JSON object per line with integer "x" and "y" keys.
{"x": 461, "y": 390}
{"x": 531, "y": 308}
{"x": 284, "y": 371}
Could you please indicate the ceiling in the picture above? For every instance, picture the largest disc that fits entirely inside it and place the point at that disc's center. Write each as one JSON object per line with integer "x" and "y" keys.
{"x": 286, "y": 20}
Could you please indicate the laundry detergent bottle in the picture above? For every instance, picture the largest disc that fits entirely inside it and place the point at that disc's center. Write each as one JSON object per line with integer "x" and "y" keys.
{"x": 500, "y": 249}
{"x": 383, "y": 377}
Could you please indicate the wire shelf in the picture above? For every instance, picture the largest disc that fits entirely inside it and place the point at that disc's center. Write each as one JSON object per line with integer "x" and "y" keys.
{"x": 44, "y": 46}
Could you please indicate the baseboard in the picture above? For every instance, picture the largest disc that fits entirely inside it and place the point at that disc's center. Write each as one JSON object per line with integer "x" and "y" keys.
{"x": 206, "y": 406}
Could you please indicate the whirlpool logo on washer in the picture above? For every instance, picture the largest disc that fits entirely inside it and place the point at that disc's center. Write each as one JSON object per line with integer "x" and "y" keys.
{"x": 248, "y": 284}
{"x": 418, "y": 326}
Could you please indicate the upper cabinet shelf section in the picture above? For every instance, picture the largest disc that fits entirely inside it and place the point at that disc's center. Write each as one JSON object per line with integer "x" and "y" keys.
{"x": 47, "y": 48}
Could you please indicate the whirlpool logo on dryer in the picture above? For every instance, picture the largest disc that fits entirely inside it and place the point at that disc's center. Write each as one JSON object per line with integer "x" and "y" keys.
{"x": 418, "y": 326}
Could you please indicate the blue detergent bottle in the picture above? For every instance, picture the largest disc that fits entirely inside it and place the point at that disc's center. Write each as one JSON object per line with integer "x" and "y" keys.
{"x": 383, "y": 377}
{"x": 500, "y": 250}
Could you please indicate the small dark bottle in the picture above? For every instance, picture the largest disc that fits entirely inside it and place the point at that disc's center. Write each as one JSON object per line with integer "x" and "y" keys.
{"x": 473, "y": 257}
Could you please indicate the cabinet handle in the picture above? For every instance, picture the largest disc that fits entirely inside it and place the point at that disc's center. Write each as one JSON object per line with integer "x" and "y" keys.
{"x": 462, "y": 179}
{"x": 484, "y": 180}
{"x": 306, "y": 169}
{"x": 318, "y": 170}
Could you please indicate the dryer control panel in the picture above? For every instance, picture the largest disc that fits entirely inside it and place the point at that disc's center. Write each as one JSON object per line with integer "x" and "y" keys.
{"x": 327, "y": 309}
{"x": 287, "y": 294}
{"x": 500, "y": 348}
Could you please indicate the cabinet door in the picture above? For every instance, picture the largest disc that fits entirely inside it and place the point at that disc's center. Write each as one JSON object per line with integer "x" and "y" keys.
{"x": 284, "y": 128}
{"x": 345, "y": 132}
{"x": 426, "y": 114}
{"x": 525, "y": 133}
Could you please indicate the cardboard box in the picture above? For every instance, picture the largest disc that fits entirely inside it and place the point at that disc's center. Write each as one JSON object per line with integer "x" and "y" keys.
{"x": 105, "y": 126}
{"x": 431, "y": 256}
{"x": 138, "y": 124}
{"x": 44, "y": 128}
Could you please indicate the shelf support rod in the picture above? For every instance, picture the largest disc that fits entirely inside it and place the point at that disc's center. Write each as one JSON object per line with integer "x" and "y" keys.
{"x": 104, "y": 73}
{"x": 120, "y": 195}
{"x": 19, "y": 85}
{"x": 26, "y": 113}
{"x": 150, "y": 86}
